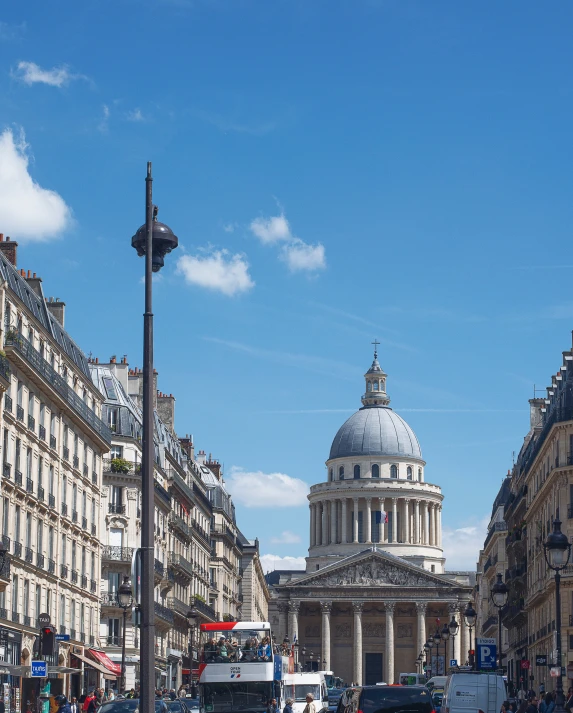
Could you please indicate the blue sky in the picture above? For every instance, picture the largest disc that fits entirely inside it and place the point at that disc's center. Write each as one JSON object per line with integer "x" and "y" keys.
{"x": 335, "y": 171}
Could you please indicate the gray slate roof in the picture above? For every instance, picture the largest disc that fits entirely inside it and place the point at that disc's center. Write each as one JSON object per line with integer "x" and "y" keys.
{"x": 375, "y": 431}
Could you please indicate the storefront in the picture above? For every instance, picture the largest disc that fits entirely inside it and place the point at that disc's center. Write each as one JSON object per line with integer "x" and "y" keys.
{"x": 10, "y": 669}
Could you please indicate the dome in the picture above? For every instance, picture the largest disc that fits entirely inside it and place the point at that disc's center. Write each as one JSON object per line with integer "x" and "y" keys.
{"x": 375, "y": 431}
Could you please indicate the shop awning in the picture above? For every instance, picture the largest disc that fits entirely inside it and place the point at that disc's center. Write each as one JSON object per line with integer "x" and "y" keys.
{"x": 102, "y": 658}
{"x": 94, "y": 664}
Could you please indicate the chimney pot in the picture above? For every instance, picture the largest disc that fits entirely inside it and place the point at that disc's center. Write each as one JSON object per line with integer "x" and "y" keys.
{"x": 7, "y": 238}
{"x": 1, "y": 237}
{"x": 29, "y": 273}
{"x": 34, "y": 275}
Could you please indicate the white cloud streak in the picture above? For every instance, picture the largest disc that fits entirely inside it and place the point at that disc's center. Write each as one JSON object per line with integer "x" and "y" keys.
{"x": 135, "y": 115}
{"x": 103, "y": 125}
{"x": 298, "y": 255}
{"x": 256, "y": 489}
{"x": 286, "y": 538}
{"x": 31, "y": 73}
{"x": 28, "y": 211}
{"x": 271, "y": 562}
{"x": 462, "y": 545}
{"x": 218, "y": 271}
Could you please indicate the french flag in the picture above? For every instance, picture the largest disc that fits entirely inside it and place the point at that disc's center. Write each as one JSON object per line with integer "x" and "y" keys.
{"x": 381, "y": 517}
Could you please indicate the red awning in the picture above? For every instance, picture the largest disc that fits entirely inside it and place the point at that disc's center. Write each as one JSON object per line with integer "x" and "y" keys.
{"x": 105, "y": 661}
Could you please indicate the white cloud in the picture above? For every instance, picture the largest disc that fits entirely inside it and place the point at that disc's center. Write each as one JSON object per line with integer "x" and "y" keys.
{"x": 27, "y": 210}
{"x": 297, "y": 254}
{"x": 10, "y": 32}
{"x": 262, "y": 490}
{"x": 286, "y": 538}
{"x": 219, "y": 271}
{"x": 462, "y": 545}
{"x": 302, "y": 256}
{"x": 103, "y": 126}
{"x": 229, "y": 227}
{"x": 271, "y": 230}
{"x": 135, "y": 115}
{"x": 272, "y": 562}
{"x": 31, "y": 73}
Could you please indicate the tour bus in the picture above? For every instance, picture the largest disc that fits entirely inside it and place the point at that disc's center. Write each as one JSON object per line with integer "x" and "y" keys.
{"x": 240, "y": 669}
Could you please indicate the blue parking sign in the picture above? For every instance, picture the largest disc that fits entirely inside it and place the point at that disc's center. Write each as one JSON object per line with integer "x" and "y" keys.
{"x": 486, "y": 656}
{"x": 39, "y": 669}
{"x": 453, "y": 663}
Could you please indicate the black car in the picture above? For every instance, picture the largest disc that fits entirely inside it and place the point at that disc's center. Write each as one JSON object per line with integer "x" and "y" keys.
{"x": 386, "y": 699}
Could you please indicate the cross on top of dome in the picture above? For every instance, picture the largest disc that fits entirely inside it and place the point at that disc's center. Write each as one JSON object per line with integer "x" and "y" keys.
{"x": 375, "y": 394}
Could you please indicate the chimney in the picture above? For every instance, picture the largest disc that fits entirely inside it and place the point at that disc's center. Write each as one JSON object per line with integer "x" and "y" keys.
{"x": 201, "y": 457}
{"x": 57, "y": 309}
{"x": 166, "y": 409}
{"x": 535, "y": 406}
{"x": 9, "y": 249}
{"x": 214, "y": 466}
{"x": 36, "y": 284}
{"x": 187, "y": 446}
{"x": 135, "y": 385}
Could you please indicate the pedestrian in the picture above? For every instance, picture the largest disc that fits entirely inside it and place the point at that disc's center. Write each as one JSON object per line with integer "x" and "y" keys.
{"x": 272, "y": 707}
{"x": 63, "y": 705}
{"x": 288, "y": 706}
{"x": 532, "y": 707}
{"x": 74, "y": 705}
{"x": 310, "y": 705}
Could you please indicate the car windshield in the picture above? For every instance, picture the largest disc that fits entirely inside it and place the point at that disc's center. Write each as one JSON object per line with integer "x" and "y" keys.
{"x": 301, "y": 691}
{"x": 175, "y": 707}
{"x": 395, "y": 699}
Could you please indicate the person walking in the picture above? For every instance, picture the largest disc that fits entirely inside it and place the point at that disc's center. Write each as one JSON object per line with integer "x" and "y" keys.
{"x": 310, "y": 704}
{"x": 288, "y": 706}
{"x": 532, "y": 707}
{"x": 272, "y": 707}
{"x": 74, "y": 707}
{"x": 63, "y": 705}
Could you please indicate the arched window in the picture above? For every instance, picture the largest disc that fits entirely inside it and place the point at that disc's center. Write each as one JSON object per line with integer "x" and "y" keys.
{"x": 341, "y": 473}
{"x": 375, "y": 385}
{"x": 356, "y": 472}
{"x": 420, "y": 474}
{"x": 375, "y": 471}
{"x": 409, "y": 472}
{"x": 393, "y": 471}
{"x": 382, "y": 386}
{"x": 369, "y": 386}
{"x": 331, "y": 475}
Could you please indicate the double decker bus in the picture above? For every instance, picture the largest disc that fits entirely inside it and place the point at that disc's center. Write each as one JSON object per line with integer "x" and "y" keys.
{"x": 240, "y": 669}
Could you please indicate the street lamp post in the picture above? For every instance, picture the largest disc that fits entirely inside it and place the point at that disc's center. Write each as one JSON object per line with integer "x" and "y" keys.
{"x": 125, "y": 600}
{"x": 470, "y": 616}
{"x": 453, "y": 626}
{"x": 430, "y": 645}
{"x": 499, "y": 595}
{"x": 437, "y": 638}
{"x": 557, "y": 549}
{"x": 445, "y": 639}
{"x": 153, "y": 240}
{"x": 427, "y": 653}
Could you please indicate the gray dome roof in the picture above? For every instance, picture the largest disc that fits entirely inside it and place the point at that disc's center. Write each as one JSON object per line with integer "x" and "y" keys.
{"x": 375, "y": 431}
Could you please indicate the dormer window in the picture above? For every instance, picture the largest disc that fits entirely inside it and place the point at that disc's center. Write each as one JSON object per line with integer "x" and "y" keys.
{"x": 393, "y": 471}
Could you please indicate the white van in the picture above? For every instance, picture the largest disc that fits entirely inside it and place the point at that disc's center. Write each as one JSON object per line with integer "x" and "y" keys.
{"x": 474, "y": 693}
{"x": 297, "y": 685}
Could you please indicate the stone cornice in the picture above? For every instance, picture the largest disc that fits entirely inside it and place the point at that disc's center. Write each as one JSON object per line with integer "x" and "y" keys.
{"x": 376, "y": 487}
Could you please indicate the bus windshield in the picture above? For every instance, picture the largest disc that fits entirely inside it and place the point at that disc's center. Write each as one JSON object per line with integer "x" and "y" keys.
{"x": 252, "y": 697}
{"x": 244, "y": 645}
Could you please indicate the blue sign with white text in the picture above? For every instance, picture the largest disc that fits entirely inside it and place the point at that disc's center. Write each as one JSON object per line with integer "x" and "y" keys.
{"x": 486, "y": 656}
{"x": 39, "y": 669}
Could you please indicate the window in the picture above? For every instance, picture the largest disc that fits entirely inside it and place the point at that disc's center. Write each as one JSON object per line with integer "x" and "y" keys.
{"x": 113, "y": 581}
{"x": 51, "y": 543}
{"x": 433, "y": 568}
{"x": 93, "y": 511}
{"x": 368, "y": 386}
{"x": 29, "y": 463}
{"x": 51, "y": 480}
{"x": 341, "y": 473}
{"x": 5, "y": 515}
{"x": 83, "y": 561}
{"x": 74, "y": 497}
{"x": 375, "y": 471}
{"x": 93, "y": 566}
{"x": 117, "y": 495}
{"x": 6, "y": 445}
{"x": 15, "y": 593}
{"x": 17, "y": 524}
{"x": 112, "y": 414}
{"x": 330, "y": 475}
{"x": 109, "y": 387}
{"x": 393, "y": 471}
{"x": 356, "y": 472}
{"x": 26, "y": 598}
{"x": 76, "y": 444}
{"x": 18, "y": 453}
{"x": 38, "y": 601}
{"x": 64, "y": 488}
{"x": 74, "y": 548}
{"x": 31, "y": 404}
{"x": 20, "y": 394}
{"x": 63, "y": 549}
{"x": 40, "y": 537}
{"x": 84, "y": 504}
{"x": 375, "y": 385}
{"x": 73, "y": 615}
{"x": 49, "y": 601}
{"x": 62, "y": 612}
{"x": 113, "y": 632}
{"x": 29, "y": 530}
{"x": 420, "y": 474}
{"x": 42, "y": 414}
{"x": 40, "y": 468}
{"x": 409, "y": 472}
{"x": 82, "y": 619}
{"x": 53, "y": 425}
{"x": 66, "y": 436}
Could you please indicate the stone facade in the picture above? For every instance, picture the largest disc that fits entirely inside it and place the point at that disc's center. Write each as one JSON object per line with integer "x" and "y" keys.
{"x": 254, "y": 592}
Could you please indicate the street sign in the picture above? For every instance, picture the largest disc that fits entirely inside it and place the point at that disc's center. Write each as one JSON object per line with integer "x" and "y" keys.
{"x": 541, "y": 660}
{"x": 453, "y": 662}
{"x": 525, "y": 664}
{"x": 39, "y": 669}
{"x": 62, "y": 637}
{"x": 44, "y": 619}
{"x": 555, "y": 671}
{"x": 486, "y": 656}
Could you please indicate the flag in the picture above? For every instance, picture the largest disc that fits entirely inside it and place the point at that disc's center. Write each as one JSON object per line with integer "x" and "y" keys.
{"x": 381, "y": 517}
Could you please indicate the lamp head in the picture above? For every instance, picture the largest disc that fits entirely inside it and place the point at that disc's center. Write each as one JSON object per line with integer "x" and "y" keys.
{"x": 557, "y": 547}
{"x": 453, "y": 626}
{"x": 470, "y": 615}
{"x": 124, "y": 594}
{"x": 445, "y": 632}
{"x": 499, "y": 592}
{"x": 163, "y": 242}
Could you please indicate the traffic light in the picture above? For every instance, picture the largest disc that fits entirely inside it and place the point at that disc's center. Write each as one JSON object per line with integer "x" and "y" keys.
{"x": 472, "y": 659}
{"x": 47, "y": 640}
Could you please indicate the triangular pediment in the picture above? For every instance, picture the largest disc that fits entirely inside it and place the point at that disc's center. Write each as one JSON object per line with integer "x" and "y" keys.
{"x": 372, "y": 568}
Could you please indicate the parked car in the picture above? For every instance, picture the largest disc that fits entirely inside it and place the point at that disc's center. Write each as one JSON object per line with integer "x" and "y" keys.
{"x": 334, "y": 695}
{"x": 386, "y": 699}
{"x": 129, "y": 705}
{"x": 192, "y": 705}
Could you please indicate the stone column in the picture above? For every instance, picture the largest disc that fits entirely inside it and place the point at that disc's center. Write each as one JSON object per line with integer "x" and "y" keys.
{"x": 424, "y": 522}
{"x": 464, "y": 636}
{"x": 417, "y": 523}
{"x": 326, "y": 609}
{"x": 357, "y": 606}
{"x": 324, "y": 523}
{"x": 355, "y": 532}
{"x": 318, "y": 524}
{"x": 389, "y": 606}
{"x": 383, "y": 526}
{"x": 439, "y": 525}
{"x": 312, "y": 524}
{"x": 332, "y": 524}
{"x": 421, "y": 609}
{"x": 394, "y": 520}
{"x": 344, "y": 518}
{"x": 432, "y": 524}
{"x": 294, "y": 608}
{"x": 406, "y": 519}
{"x": 283, "y": 620}
{"x": 368, "y": 518}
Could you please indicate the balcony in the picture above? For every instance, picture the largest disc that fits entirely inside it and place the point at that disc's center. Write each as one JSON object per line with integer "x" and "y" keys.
{"x": 93, "y": 586}
{"x": 18, "y": 478}
{"x": 6, "y": 468}
{"x": 490, "y": 621}
{"x": 40, "y": 493}
{"x": 113, "y": 640}
{"x": 28, "y": 555}
{"x": 51, "y": 500}
{"x": 180, "y": 526}
{"x": 120, "y": 466}
{"x": 181, "y": 565}
{"x": 84, "y": 581}
{"x": 75, "y": 576}
{"x": 27, "y": 620}
{"x": 116, "y": 508}
{"x": 7, "y": 403}
{"x": 117, "y": 554}
{"x": 109, "y": 599}
{"x": 20, "y": 413}
{"x": 18, "y": 550}
{"x": 73, "y": 634}
{"x": 203, "y": 534}
{"x": 159, "y": 568}
{"x": 53, "y": 442}
{"x": 4, "y": 372}
{"x": 51, "y": 566}
{"x": 19, "y": 348}
{"x": 204, "y": 609}
{"x": 66, "y": 453}
{"x": 15, "y": 617}
{"x": 31, "y": 423}
{"x": 163, "y": 613}
{"x": 42, "y": 433}
{"x": 29, "y": 485}
{"x": 63, "y": 571}
{"x": 179, "y": 607}
{"x": 76, "y": 462}
{"x": 162, "y": 493}
{"x": 5, "y": 571}
{"x": 40, "y": 560}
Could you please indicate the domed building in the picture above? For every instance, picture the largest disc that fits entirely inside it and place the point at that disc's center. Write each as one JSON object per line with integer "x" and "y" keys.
{"x": 375, "y": 586}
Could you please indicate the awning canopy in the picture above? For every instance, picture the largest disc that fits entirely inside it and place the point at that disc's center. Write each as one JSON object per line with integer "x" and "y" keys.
{"x": 94, "y": 664}
{"x": 102, "y": 658}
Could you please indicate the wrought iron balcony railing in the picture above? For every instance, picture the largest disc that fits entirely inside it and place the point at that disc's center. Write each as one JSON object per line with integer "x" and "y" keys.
{"x": 6, "y": 468}
{"x": 53, "y": 442}
{"x": 119, "y": 554}
{"x": 116, "y": 508}
{"x": 42, "y": 433}
{"x": 19, "y": 413}
{"x": 29, "y": 485}
{"x": 31, "y": 423}
{"x": 8, "y": 403}
{"x": 40, "y": 493}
